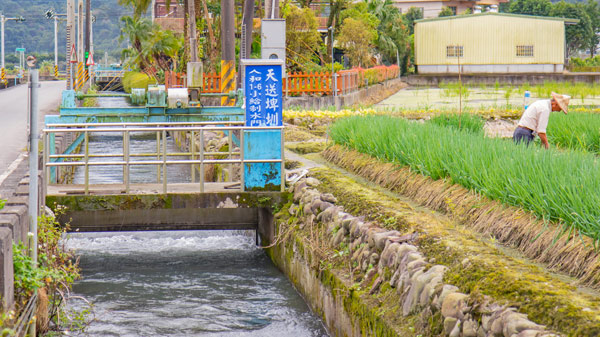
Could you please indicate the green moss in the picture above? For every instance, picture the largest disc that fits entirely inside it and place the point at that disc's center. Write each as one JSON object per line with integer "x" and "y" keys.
{"x": 374, "y": 315}
{"x": 110, "y": 202}
{"x": 306, "y": 147}
{"x": 478, "y": 268}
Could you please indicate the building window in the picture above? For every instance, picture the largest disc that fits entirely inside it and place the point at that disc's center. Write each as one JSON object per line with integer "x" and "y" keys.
{"x": 453, "y": 9}
{"x": 454, "y": 51}
{"x": 525, "y": 51}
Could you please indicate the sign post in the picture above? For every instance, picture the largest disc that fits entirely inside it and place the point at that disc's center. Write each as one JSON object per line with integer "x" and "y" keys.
{"x": 262, "y": 81}
{"x": 73, "y": 59}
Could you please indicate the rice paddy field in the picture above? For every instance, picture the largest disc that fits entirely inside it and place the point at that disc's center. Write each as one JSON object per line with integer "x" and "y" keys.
{"x": 499, "y": 97}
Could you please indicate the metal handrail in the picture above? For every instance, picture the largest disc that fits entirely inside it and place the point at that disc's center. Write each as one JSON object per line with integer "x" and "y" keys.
{"x": 177, "y": 128}
{"x": 161, "y": 161}
{"x": 89, "y": 125}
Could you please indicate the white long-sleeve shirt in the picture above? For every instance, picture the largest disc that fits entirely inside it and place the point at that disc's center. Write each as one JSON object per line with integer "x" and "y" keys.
{"x": 536, "y": 116}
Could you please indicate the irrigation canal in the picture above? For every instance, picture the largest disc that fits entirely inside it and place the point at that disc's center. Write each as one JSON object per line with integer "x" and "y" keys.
{"x": 185, "y": 283}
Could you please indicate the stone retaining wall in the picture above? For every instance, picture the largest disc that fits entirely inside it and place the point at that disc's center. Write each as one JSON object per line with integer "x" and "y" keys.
{"x": 385, "y": 259}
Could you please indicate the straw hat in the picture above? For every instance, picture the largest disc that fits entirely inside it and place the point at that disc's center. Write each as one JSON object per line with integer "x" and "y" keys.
{"x": 562, "y": 100}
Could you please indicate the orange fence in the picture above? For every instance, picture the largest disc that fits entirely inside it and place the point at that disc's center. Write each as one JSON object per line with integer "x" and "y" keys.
{"x": 212, "y": 81}
{"x": 307, "y": 83}
{"x": 296, "y": 84}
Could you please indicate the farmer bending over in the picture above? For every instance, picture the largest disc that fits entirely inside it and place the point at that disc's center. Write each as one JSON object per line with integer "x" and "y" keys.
{"x": 535, "y": 118}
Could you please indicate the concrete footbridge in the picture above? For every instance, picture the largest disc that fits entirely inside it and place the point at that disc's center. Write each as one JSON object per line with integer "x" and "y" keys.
{"x": 171, "y": 163}
{"x": 109, "y": 77}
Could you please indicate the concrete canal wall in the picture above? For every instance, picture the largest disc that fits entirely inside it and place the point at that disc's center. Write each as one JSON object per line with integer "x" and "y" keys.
{"x": 14, "y": 224}
{"x": 368, "y": 281}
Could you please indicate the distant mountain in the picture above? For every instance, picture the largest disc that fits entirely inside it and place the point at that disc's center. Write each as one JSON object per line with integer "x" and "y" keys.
{"x": 36, "y": 34}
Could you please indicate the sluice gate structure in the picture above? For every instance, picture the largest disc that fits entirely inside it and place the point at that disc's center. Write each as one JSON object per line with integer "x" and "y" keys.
{"x": 234, "y": 185}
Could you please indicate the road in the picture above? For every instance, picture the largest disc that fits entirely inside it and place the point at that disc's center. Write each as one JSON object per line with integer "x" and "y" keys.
{"x": 13, "y": 118}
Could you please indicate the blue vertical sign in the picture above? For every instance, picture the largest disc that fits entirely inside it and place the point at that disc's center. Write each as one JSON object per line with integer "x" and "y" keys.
{"x": 263, "y": 90}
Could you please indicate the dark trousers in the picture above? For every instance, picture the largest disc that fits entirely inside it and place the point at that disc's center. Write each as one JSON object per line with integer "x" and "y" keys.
{"x": 523, "y": 134}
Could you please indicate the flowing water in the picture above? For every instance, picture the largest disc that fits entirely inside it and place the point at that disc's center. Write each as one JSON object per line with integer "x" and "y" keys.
{"x": 203, "y": 283}
{"x": 184, "y": 283}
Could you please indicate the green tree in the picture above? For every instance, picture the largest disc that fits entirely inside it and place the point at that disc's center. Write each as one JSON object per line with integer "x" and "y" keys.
{"x": 592, "y": 8}
{"x": 163, "y": 47}
{"x": 303, "y": 41}
{"x": 139, "y": 7}
{"x": 578, "y": 36}
{"x": 392, "y": 38}
{"x": 446, "y": 11}
{"x": 530, "y": 7}
{"x": 357, "y": 38}
{"x": 411, "y": 16}
{"x": 137, "y": 30}
{"x": 333, "y": 21}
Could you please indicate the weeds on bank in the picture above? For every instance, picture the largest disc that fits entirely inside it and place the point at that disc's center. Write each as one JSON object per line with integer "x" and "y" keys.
{"x": 51, "y": 279}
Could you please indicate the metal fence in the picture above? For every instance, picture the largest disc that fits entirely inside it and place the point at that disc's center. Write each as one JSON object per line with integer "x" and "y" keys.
{"x": 195, "y": 154}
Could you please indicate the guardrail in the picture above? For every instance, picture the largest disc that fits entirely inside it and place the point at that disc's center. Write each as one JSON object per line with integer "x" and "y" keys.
{"x": 196, "y": 156}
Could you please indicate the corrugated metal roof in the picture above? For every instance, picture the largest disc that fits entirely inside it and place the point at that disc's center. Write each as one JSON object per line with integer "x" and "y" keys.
{"x": 466, "y": 16}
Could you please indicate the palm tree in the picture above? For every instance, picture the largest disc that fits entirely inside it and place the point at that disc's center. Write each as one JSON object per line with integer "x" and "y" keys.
{"x": 392, "y": 41}
{"x": 138, "y": 31}
{"x": 139, "y": 6}
{"x": 163, "y": 48}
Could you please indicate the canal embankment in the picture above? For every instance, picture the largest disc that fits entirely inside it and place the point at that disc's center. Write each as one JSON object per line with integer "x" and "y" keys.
{"x": 372, "y": 263}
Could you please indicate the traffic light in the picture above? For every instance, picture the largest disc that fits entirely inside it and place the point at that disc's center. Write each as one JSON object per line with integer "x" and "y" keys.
{"x": 21, "y": 19}
{"x": 49, "y": 14}
{"x": 86, "y": 57}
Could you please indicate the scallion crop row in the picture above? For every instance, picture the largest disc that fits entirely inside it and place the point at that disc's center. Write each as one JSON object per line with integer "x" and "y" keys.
{"x": 465, "y": 121}
{"x": 576, "y": 131}
{"x": 559, "y": 186}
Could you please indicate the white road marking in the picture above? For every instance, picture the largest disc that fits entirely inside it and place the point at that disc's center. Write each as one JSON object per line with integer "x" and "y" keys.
{"x": 13, "y": 166}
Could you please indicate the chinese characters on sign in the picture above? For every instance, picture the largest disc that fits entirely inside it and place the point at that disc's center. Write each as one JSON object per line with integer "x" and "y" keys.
{"x": 263, "y": 91}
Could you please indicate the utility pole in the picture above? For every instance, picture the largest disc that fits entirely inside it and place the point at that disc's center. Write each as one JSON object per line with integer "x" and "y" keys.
{"x": 268, "y": 9}
{"x": 34, "y": 205}
{"x": 80, "y": 31}
{"x": 153, "y": 10}
{"x": 246, "y": 40}
{"x": 55, "y": 41}
{"x": 3, "y": 20}
{"x": 51, "y": 15}
{"x": 192, "y": 29}
{"x": 333, "y": 82}
{"x": 70, "y": 39}
{"x": 247, "y": 25}
{"x": 88, "y": 25}
{"x": 271, "y": 9}
{"x": 227, "y": 50}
